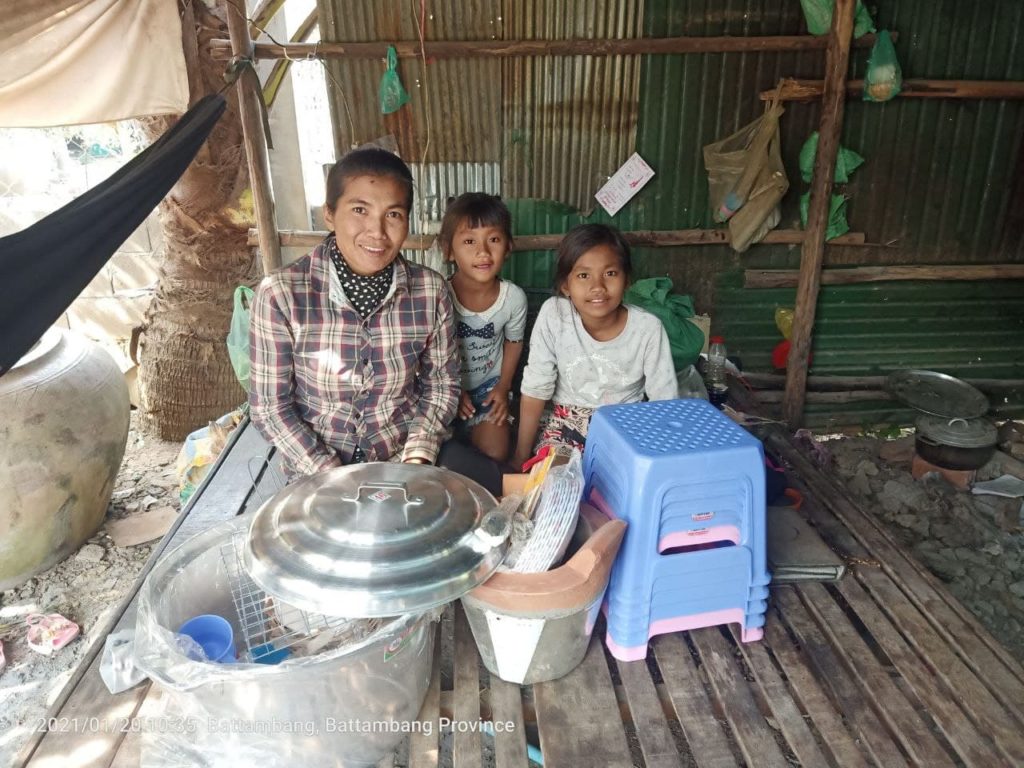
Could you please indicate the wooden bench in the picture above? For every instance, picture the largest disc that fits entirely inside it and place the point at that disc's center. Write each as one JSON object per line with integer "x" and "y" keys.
{"x": 884, "y": 668}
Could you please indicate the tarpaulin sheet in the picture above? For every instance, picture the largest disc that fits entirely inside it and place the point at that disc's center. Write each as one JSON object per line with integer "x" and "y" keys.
{"x": 66, "y": 62}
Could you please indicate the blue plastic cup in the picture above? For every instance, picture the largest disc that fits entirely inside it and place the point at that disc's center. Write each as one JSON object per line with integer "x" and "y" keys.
{"x": 214, "y": 635}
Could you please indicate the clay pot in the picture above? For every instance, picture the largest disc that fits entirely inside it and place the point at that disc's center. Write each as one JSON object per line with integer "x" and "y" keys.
{"x": 63, "y": 428}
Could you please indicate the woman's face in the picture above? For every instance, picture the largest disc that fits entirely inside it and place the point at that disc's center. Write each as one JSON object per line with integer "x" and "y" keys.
{"x": 370, "y": 222}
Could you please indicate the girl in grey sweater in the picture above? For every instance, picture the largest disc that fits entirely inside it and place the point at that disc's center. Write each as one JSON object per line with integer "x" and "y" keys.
{"x": 588, "y": 349}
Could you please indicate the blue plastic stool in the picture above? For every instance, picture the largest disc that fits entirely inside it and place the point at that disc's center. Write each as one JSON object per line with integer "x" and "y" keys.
{"x": 690, "y": 483}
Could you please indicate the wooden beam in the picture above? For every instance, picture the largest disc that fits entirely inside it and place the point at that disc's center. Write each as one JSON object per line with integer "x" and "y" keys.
{"x": 787, "y": 278}
{"x": 837, "y": 62}
{"x": 466, "y": 49}
{"x": 833, "y": 398}
{"x": 641, "y": 239}
{"x": 255, "y": 138}
{"x": 840, "y": 383}
{"x": 811, "y": 90}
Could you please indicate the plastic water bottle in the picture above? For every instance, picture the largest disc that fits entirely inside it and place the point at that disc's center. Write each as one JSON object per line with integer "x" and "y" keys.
{"x": 718, "y": 388}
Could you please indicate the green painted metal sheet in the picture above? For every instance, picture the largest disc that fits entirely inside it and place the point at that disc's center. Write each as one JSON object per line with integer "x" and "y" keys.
{"x": 965, "y": 329}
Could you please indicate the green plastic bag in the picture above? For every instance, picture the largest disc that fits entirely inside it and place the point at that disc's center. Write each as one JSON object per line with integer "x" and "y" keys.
{"x": 818, "y": 14}
{"x": 837, "y": 224}
{"x": 392, "y": 94}
{"x": 685, "y": 339}
{"x": 884, "y": 79}
{"x": 847, "y": 161}
{"x": 238, "y": 335}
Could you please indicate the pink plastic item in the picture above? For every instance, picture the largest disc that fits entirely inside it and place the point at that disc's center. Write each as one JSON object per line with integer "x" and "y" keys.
{"x": 49, "y": 632}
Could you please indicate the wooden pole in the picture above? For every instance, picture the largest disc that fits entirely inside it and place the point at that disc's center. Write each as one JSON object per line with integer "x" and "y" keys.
{"x": 811, "y": 90}
{"x": 641, "y": 239}
{"x": 465, "y": 49}
{"x": 787, "y": 278}
{"x": 255, "y": 138}
{"x": 837, "y": 61}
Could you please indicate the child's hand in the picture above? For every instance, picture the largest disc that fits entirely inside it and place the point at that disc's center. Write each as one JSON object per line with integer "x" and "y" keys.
{"x": 519, "y": 458}
{"x": 466, "y": 409}
{"x": 498, "y": 400}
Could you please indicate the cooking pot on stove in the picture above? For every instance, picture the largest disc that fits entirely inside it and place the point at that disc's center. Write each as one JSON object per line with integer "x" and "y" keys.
{"x": 961, "y": 444}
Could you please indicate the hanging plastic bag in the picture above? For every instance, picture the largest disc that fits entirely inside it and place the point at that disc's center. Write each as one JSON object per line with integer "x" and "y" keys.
{"x": 884, "y": 79}
{"x": 847, "y": 161}
{"x": 818, "y": 14}
{"x": 392, "y": 95}
{"x": 674, "y": 310}
{"x": 238, "y": 335}
{"x": 784, "y": 321}
{"x": 761, "y": 212}
{"x": 734, "y": 163}
{"x": 837, "y": 224}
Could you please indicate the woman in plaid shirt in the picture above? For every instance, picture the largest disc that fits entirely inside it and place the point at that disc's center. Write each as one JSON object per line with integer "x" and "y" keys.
{"x": 353, "y": 348}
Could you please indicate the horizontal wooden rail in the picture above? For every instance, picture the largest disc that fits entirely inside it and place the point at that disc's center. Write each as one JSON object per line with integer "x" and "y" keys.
{"x": 787, "y": 278}
{"x": 811, "y": 90}
{"x": 846, "y": 383}
{"x": 832, "y": 398}
{"x": 642, "y": 239}
{"x": 466, "y": 49}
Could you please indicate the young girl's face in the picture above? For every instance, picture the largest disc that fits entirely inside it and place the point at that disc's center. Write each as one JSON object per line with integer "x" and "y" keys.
{"x": 479, "y": 252}
{"x": 596, "y": 283}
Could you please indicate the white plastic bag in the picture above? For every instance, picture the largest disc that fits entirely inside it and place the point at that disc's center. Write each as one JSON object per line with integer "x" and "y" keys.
{"x": 117, "y": 667}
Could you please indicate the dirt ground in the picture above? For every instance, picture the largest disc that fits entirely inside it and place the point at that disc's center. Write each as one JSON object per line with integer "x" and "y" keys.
{"x": 85, "y": 587}
{"x": 974, "y": 543}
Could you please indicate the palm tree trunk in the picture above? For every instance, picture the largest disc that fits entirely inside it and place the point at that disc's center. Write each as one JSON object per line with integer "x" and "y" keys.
{"x": 185, "y": 375}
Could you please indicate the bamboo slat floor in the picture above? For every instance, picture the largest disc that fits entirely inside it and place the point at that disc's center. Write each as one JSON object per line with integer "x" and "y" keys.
{"x": 884, "y": 668}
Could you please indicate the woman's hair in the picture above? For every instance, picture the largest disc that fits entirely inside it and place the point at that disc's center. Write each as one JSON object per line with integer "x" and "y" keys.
{"x": 371, "y": 161}
{"x": 476, "y": 209}
{"x": 581, "y": 239}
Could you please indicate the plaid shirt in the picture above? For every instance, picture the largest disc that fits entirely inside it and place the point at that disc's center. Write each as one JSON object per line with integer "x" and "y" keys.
{"x": 324, "y": 380}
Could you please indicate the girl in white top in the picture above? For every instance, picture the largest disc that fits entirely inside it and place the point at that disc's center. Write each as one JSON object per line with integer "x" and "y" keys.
{"x": 490, "y": 313}
{"x": 588, "y": 349}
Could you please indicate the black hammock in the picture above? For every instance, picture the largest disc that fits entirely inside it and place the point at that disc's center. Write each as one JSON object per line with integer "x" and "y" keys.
{"x": 45, "y": 267}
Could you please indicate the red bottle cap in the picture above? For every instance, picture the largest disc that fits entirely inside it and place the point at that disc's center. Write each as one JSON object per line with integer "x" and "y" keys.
{"x": 717, "y": 340}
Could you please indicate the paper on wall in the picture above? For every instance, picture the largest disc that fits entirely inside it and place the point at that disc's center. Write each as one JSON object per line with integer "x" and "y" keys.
{"x": 626, "y": 182}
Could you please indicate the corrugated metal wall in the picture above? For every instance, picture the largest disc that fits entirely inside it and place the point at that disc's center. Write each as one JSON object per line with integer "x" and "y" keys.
{"x": 454, "y": 114}
{"x": 570, "y": 120}
{"x": 943, "y": 181}
{"x": 559, "y": 125}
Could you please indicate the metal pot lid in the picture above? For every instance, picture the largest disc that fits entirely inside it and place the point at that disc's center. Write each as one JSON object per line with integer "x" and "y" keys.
{"x": 376, "y": 539}
{"x": 937, "y": 394}
{"x": 957, "y": 433}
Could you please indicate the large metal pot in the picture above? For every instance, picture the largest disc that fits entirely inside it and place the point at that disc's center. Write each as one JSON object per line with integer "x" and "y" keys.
{"x": 961, "y": 444}
{"x": 342, "y": 708}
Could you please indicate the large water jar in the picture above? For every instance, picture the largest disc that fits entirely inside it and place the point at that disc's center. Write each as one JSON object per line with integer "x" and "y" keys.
{"x": 63, "y": 428}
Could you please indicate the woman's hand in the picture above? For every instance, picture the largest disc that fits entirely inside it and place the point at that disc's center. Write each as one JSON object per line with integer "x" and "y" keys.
{"x": 466, "y": 409}
{"x": 497, "y": 398}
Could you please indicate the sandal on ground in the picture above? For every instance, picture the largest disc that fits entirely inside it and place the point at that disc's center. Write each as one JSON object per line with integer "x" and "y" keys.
{"x": 49, "y": 632}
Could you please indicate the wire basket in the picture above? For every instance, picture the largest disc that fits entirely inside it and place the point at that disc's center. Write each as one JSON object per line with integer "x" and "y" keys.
{"x": 274, "y": 630}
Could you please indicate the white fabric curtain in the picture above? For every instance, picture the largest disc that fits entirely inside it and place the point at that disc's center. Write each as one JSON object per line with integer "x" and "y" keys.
{"x": 65, "y": 62}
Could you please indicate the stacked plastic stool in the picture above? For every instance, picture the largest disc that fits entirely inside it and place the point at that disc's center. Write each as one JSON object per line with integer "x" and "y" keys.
{"x": 690, "y": 484}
